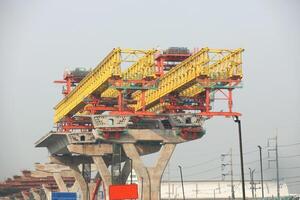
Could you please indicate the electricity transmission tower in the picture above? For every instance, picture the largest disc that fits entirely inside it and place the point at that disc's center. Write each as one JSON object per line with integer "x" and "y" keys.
{"x": 229, "y": 171}
{"x": 273, "y": 148}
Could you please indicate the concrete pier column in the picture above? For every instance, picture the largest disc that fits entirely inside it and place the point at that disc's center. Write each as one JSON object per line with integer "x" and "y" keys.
{"x": 140, "y": 170}
{"x": 156, "y": 173}
{"x": 25, "y": 196}
{"x": 74, "y": 187}
{"x": 35, "y": 195}
{"x": 149, "y": 177}
{"x": 80, "y": 181}
{"x": 47, "y": 192}
{"x": 104, "y": 172}
{"x": 60, "y": 182}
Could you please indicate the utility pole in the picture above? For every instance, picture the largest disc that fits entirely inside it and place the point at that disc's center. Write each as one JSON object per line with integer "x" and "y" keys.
{"x": 277, "y": 169}
{"x": 231, "y": 170}
{"x": 252, "y": 181}
{"x": 180, "y": 168}
{"x": 231, "y": 175}
{"x": 214, "y": 194}
{"x": 237, "y": 120}
{"x": 271, "y": 148}
{"x": 218, "y": 188}
{"x": 261, "y": 173}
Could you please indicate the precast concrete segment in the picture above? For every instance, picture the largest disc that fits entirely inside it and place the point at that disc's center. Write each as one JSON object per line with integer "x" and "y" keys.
{"x": 150, "y": 177}
{"x": 60, "y": 182}
{"x": 50, "y": 168}
{"x": 57, "y": 171}
{"x": 69, "y": 161}
{"x": 90, "y": 149}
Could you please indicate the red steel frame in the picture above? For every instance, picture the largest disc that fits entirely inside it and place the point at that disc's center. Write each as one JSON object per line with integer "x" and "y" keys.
{"x": 119, "y": 105}
{"x": 162, "y": 58}
{"x": 228, "y": 85}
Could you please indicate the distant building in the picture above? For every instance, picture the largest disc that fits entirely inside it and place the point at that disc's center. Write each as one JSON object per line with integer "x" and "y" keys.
{"x": 219, "y": 190}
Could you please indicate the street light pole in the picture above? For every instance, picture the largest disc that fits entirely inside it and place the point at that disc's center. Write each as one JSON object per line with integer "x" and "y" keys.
{"x": 261, "y": 173}
{"x": 252, "y": 181}
{"x": 237, "y": 120}
{"x": 180, "y": 169}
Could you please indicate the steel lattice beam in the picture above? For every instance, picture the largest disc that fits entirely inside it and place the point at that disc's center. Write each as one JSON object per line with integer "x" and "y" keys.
{"x": 182, "y": 78}
{"x": 92, "y": 83}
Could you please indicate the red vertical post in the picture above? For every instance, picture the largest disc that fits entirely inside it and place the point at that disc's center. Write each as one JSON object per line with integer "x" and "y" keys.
{"x": 120, "y": 100}
{"x": 160, "y": 66}
{"x": 68, "y": 83}
{"x": 230, "y": 99}
{"x": 207, "y": 99}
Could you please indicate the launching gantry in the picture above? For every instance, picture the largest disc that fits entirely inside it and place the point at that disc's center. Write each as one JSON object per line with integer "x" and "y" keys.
{"x": 137, "y": 102}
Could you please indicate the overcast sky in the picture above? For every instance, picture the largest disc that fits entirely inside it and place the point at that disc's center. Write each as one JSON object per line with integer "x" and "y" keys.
{"x": 39, "y": 39}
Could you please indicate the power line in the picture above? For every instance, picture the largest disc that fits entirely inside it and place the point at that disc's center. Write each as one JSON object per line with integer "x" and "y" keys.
{"x": 291, "y": 177}
{"x": 291, "y": 156}
{"x": 246, "y": 153}
{"x": 203, "y": 163}
{"x": 293, "y": 182}
{"x": 291, "y": 167}
{"x": 292, "y": 185}
{"x": 249, "y": 162}
{"x": 201, "y": 172}
{"x": 289, "y": 145}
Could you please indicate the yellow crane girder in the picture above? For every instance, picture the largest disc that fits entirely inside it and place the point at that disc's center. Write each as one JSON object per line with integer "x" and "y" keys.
{"x": 185, "y": 72}
{"x": 212, "y": 63}
{"x": 227, "y": 67}
{"x": 96, "y": 82}
{"x": 142, "y": 68}
{"x": 110, "y": 66}
{"x": 182, "y": 78}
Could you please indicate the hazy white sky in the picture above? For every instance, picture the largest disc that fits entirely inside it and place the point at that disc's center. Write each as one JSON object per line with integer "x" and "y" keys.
{"x": 39, "y": 39}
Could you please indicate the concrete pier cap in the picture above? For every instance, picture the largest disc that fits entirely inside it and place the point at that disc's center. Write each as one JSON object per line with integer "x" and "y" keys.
{"x": 71, "y": 149}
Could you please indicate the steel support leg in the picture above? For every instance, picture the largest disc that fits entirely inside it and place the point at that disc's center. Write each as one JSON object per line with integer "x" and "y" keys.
{"x": 125, "y": 171}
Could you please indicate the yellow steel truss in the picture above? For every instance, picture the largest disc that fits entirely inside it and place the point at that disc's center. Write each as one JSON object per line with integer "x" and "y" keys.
{"x": 212, "y": 63}
{"x": 144, "y": 67}
{"x": 177, "y": 77}
{"x": 90, "y": 84}
{"x": 96, "y": 82}
{"x": 182, "y": 78}
{"x": 227, "y": 67}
